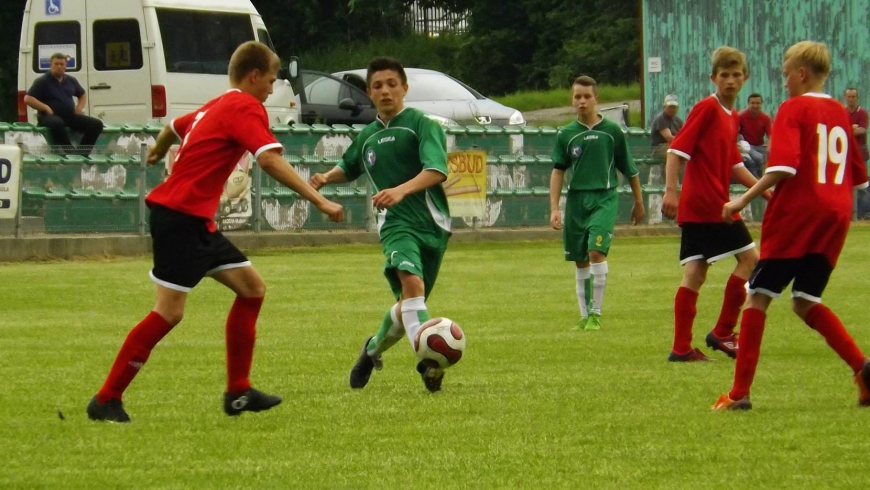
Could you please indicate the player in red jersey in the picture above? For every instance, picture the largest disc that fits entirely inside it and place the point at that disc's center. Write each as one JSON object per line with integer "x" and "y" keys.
{"x": 815, "y": 163}
{"x": 707, "y": 144}
{"x": 186, "y": 243}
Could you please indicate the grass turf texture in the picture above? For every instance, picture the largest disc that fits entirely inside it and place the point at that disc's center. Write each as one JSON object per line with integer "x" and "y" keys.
{"x": 532, "y": 405}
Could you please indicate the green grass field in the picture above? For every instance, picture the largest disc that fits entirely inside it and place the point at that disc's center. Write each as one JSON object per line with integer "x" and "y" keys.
{"x": 533, "y": 404}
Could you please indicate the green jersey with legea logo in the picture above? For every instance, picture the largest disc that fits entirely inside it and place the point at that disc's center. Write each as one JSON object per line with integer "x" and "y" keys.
{"x": 394, "y": 153}
{"x": 593, "y": 155}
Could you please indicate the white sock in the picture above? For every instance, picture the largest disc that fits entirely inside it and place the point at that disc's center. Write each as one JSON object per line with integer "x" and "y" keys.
{"x": 581, "y": 275}
{"x": 599, "y": 281}
{"x": 412, "y": 311}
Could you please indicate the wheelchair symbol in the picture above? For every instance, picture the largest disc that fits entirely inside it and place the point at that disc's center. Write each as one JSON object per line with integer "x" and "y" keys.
{"x": 52, "y": 7}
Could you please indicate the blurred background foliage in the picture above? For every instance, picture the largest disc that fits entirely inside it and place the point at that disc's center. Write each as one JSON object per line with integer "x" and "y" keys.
{"x": 497, "y": 46}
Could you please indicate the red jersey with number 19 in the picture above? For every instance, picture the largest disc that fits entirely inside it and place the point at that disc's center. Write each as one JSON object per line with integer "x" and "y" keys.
{"x": 708, "y": 141}
{"x": 213, "y": 140}
{"x": 810, "y": 211}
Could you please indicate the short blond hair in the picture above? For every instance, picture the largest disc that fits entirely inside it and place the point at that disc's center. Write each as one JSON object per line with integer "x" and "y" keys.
{"x": 725, "y": 57}
{"x": 251, "y": 56}
{"x": 812, "y": 55}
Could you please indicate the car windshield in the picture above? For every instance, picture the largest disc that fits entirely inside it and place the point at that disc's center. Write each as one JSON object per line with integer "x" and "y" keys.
{"x": 434, "y": 86}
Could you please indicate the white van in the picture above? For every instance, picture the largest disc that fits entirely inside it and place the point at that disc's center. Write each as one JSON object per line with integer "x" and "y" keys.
{"x": 144, "y": 61}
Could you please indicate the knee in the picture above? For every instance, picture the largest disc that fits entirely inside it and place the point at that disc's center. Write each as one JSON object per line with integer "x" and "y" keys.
{"x": 748, "y": 259}
{"x": 52, "y": 122}
{"x": 412, "y": 286}
{"x": 801, "y": 307}
{"x": 172, "y": 316}
{"x": 257, "y": 290}
{"x": 694, "y": 281}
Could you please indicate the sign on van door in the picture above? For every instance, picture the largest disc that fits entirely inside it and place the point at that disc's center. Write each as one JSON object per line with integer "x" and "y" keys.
{"x": 119, "y": 76}
{"x": 53, "y": 7}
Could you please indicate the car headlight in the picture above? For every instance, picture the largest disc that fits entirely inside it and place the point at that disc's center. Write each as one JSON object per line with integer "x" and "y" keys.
{"x": 443, "y": 121}
{"x": 516, "y": 118}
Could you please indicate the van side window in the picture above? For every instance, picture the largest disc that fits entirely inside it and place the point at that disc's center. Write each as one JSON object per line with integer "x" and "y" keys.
{"x": 201, "y": 42}
{"x": 117, "y": 45}
{"x": 263, "y": 36}
{"x": 53, "y": 37}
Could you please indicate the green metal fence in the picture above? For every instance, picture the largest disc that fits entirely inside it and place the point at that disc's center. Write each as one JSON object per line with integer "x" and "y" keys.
{"x": 104, "y": 192}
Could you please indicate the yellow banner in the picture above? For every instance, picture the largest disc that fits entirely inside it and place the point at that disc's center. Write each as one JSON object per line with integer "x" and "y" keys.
{"x": 466, "y": 183}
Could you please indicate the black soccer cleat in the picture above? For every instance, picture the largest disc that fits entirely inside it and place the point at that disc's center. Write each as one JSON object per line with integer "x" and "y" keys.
{"x": 111, "y": 411}
{"x": 432, "y": 376}
{"x": 252, "y": 400}
{"x": 728, "y": 345}
{"x": 862, "y": 379}
{"x": 362, "y": 369}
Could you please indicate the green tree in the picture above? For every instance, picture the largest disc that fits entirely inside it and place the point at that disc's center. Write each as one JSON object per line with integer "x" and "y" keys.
{"x": 532, "y": 44}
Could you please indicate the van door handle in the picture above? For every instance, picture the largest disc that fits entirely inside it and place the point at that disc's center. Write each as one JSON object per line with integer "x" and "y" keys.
{"x": 101, "y": 86}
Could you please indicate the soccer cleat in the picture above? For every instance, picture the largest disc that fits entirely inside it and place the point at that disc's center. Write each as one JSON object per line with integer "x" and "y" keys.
{"x": 250, "y": 401}
{"x": 726, "y": 403}
{"x": 362, "y": 369}
{"x": 728, "y": 345}
{"x": 432, "y": 376}
{"x": 862, "y": 379}
{"x": 111, "y": 411}
{"x": 581, "y": 324}
{"x": 694, "y": 355}
{"x": 594, "y": 322}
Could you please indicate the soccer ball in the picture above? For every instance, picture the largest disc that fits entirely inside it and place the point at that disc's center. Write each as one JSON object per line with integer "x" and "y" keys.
{"x": 440, "y": 343}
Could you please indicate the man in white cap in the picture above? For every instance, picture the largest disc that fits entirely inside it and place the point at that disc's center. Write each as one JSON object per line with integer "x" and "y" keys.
{"x": 665, "y": 126}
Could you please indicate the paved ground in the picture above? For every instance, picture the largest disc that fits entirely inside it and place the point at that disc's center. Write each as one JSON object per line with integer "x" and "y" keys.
{"x": 568, "y": 111}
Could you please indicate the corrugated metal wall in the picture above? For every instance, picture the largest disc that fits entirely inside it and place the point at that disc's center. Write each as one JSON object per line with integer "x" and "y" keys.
{"x": 683, "y": 33}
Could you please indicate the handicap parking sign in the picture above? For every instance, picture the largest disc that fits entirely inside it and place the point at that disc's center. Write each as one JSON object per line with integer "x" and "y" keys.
{"x": 52, "y": 7}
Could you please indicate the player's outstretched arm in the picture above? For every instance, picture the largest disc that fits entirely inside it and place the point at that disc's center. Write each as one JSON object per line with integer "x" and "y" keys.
{"x": 637, "y": 210}
{"x": 273, "y": 164}
{"x": 671, "y": 200}
{"x": 557, "y": 177}
{"x": 745, "y": 178}
{"x": 768, "y": 180}
{"x": 335, "y": 175}
{"x": 165, "y": 139}
{"x": 387, "y": 198}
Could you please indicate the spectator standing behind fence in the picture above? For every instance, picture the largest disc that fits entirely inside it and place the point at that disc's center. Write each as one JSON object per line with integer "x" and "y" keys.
{"x": 754, "y": 125}
{"x": 665, "y": 126}
{"x": 52, "y": 96}
{"x": 858, "y": 119}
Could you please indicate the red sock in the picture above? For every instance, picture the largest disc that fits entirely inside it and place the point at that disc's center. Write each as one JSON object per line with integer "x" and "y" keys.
{"x": 751, "y": 332}
{"x": 821, "y": 319}
{"x": 735, "y": 296}
{"x": 133, "y": 354}
{"x": 241, "y": 333}
{"x": 685, "y": 310}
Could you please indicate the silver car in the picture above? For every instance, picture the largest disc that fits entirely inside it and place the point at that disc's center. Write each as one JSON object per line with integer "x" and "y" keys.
{"x": 446, "y": 99}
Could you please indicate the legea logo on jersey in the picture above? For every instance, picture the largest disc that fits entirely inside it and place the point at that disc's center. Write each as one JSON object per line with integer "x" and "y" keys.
{"x": 577, "y": 151}
{"x": 371, "y": 158}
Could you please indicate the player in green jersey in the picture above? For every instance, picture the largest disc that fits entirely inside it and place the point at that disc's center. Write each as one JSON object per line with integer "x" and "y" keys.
{"x": 593, "y": 149}
{"x": 403, "y": 153}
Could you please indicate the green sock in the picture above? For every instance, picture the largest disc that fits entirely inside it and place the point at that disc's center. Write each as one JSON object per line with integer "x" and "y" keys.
{"x": 390, "y": 332}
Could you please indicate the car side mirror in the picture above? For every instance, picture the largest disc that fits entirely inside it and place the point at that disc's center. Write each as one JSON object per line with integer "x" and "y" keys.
{"x": 291, "y": 71}
{"x": 349, "y": 105}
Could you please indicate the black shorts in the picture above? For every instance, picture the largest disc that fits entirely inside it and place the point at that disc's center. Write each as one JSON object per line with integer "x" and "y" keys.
{"x": 810, "y": 273}
{"x": 713, "y": 241}
{"x": 185, "y": 250}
